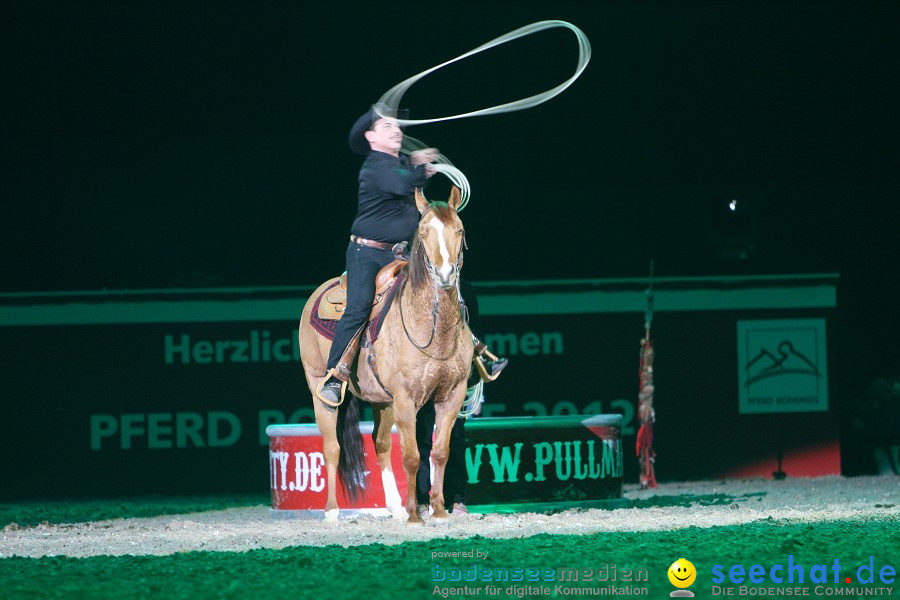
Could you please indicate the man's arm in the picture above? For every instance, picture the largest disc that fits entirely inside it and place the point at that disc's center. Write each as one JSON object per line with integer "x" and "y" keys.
{"x": 400, "y": 181}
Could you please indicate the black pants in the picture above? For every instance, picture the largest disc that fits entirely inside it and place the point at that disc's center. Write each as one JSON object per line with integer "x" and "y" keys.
{"x": 455, "y": 473}
{"x": 363, "y": 264}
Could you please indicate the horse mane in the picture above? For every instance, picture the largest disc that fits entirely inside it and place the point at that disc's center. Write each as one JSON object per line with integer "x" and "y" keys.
{"x": 418, "y": 271}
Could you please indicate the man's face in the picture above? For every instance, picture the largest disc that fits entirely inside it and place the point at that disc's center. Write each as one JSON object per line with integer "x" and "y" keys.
{"x": 385, "y": 136}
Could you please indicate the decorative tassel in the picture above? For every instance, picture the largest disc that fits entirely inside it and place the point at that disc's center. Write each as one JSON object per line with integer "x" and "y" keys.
{"x": 644, "y": 443}
{"x": 646, "y": 415}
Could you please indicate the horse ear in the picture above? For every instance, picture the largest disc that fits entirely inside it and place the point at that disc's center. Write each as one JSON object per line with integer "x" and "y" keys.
{"x": 455, "y": 198}
{"x": 421, "y": 201}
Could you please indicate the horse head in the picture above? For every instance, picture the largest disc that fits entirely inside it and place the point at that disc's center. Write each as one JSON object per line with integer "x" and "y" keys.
{"x": 437, "y": 248}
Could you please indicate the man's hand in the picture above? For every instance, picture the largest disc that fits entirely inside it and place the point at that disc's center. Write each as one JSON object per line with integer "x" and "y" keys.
{"x": 421, "y": 157}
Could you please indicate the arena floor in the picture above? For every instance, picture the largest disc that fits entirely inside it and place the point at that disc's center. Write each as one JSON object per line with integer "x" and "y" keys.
{"x": 245, "y": 552}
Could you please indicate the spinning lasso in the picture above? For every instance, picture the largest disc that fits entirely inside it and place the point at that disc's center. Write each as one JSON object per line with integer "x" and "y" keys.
{"x": 390, "y": 100}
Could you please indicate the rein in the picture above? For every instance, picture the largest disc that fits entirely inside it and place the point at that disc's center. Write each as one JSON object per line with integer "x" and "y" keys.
{"x": 434, "y": 313}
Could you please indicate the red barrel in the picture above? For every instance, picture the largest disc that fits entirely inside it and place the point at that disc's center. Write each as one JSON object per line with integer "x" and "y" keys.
{"x": 298, "y": 479}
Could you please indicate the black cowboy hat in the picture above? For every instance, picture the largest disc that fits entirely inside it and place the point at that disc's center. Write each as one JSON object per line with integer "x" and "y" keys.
{"x": 357, "y": 139}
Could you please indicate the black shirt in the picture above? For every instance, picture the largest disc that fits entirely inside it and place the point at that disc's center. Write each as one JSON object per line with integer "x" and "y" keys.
{"x": 387, "y": 208}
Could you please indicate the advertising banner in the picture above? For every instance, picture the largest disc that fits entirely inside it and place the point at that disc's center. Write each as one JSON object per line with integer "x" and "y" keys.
{"x": 527, "y": 462}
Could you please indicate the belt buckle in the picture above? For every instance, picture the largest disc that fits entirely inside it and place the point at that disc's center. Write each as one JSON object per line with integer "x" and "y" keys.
{"x": 399, "y": 249}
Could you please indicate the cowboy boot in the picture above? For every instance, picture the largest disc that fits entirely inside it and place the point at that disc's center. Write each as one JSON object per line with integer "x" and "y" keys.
{"x": 331, "y": 390}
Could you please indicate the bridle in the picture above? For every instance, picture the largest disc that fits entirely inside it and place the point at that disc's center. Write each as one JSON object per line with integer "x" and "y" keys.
{"x": 432, "y": 270}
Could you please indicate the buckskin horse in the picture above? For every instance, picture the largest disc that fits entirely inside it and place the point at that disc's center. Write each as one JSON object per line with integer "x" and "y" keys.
{"x": 423, "y": 352}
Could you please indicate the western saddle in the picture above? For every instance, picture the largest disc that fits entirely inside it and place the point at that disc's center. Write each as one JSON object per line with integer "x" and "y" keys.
{"x": 335, "y": 299}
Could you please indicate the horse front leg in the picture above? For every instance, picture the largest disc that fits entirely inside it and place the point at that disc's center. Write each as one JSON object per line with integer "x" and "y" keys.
{"x": 326, "y": 420}
{"x": 445, "y": 416}
{"x": 405, "y": 416}
{"x": 384, "y": 420}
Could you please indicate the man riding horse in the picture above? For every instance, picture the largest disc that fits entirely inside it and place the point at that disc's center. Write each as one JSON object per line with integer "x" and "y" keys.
{"x": 386, "y": 221}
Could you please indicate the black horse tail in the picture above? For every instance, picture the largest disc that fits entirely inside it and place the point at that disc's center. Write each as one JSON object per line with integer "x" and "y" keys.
{"x": 352, "y": 463}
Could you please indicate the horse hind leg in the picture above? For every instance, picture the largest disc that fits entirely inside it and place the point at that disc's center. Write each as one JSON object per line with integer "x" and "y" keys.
{"x": 313, "y": 356}
{"x": 381, "y": 435}
{"x": 331, "y": 450}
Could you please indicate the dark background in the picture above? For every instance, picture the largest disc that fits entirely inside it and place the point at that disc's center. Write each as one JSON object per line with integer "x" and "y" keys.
{"x": 157, "y": 144}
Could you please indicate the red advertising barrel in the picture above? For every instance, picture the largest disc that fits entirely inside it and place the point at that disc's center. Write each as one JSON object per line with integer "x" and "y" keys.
{"x": 298, "y": 480}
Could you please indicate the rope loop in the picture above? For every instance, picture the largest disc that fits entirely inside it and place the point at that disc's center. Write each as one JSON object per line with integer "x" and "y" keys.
{"x": 390, "y": 100}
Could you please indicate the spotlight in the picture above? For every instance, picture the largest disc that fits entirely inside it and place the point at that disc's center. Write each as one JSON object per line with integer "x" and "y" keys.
{"x": 731, "y": 233}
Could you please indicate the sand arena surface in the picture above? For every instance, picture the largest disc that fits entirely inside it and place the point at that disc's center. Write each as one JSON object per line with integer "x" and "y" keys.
{"x": 240, "y": 529}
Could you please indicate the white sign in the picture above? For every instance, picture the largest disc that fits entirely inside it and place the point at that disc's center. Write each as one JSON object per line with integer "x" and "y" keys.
{"x": 782, "y": 366}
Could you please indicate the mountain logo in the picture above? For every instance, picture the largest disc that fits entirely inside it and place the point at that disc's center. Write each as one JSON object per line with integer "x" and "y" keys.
{"x": 782, "y": 366}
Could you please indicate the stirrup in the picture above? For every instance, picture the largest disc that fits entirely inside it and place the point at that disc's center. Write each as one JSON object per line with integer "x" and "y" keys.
{"x": 482, "y": 370}
{"x": 324, "y": 400}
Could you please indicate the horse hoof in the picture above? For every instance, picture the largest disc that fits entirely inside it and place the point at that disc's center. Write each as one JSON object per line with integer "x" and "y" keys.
{"x": 437, "y": 521}
{"x": 415, "y": 520}
{"x": 441, "y": 515}
{"x": 331, "y": 516}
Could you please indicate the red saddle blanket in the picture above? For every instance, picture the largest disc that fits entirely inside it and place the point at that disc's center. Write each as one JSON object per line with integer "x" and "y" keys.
{"x": 326, "y": 327}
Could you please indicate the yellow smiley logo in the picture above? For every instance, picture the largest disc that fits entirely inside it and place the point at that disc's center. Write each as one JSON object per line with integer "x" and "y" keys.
{"x": 682, "y": 573}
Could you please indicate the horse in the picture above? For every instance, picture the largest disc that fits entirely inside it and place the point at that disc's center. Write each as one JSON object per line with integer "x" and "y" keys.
{"x": 423, "y": 352}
